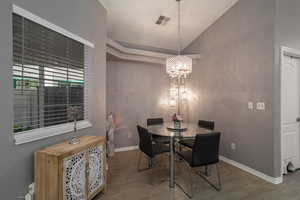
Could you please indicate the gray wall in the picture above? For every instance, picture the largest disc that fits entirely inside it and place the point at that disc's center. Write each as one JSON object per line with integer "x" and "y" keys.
{"x": 135, "y": 91}
{"x": 237, "y": 67}
{"x": 85, "y": 18}
{"x": 287, "y": 34}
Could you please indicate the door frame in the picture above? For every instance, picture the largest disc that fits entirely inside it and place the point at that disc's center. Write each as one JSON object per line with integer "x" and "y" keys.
{"x": 285, "y": 51}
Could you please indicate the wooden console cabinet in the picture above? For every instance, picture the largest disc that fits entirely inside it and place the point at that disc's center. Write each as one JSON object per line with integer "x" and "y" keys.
{"x": 71, "y": 172}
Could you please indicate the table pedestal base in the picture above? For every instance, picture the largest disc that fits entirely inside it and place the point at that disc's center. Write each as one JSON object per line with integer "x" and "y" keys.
{"x": 172, "y": 163}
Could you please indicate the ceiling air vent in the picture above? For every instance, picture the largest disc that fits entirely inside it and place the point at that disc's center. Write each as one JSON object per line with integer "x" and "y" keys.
{"x": 162, "y": 20}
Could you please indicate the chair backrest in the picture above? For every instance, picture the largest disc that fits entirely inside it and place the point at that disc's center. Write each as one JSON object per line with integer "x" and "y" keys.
{"x": 206, "y": 149}
{"x": 145, "y": 143}
{"x": 207, "y": 124}
{"x": 154, "y": 121}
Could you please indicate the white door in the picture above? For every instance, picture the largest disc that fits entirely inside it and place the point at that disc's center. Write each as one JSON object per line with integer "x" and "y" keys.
{"x": 290, "y": 98}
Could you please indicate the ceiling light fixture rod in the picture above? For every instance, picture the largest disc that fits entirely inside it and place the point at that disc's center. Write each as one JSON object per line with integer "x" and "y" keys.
{"x": 179, "y": 66}
{"x": 179, "y": 24}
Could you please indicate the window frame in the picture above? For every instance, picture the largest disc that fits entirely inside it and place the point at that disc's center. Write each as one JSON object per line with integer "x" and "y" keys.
{"x": 50, "y": 131}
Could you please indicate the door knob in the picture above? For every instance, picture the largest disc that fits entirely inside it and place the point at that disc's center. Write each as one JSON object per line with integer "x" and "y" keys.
{"x": 298, "y": 119}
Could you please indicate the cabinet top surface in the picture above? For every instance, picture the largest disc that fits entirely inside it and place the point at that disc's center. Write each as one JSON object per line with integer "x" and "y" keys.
{"x": 66, "y": 148}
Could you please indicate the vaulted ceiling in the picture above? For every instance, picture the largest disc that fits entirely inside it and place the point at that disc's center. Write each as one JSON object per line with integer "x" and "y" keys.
{"x": 132, "y": 22}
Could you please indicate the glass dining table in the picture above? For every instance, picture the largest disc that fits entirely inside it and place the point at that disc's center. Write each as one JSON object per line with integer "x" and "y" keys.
{"x": 169, "y": 129}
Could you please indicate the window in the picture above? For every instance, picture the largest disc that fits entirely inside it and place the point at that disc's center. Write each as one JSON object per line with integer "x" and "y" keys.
{"x": 48, "y": 76}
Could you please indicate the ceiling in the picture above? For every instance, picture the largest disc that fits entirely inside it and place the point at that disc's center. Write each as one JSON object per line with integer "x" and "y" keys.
{"x": 133, "y": 21}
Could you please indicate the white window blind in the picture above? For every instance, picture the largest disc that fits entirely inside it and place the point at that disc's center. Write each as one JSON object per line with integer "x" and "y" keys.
{"x": 49, "y": 71}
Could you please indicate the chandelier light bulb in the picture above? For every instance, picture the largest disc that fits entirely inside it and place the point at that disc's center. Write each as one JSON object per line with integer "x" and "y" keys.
{"x": 172, "y": 102}
{"x": 179, "y": 66}
{"x": 184, "y": 95}
{"x": 173, "y": 92}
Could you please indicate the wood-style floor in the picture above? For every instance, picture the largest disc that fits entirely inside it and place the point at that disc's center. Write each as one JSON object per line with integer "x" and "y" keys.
{"x": 125, "y": 183}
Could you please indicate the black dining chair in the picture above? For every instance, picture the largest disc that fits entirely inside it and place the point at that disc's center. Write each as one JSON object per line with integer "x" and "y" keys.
{"x": 150, "y": 148}
{"x": 207, "y": 124}
{"x": 157, "y": 138}
{"x": 205, "y": 152}
{"x": 154, "y": 121}
{"x": 210, "y": 125}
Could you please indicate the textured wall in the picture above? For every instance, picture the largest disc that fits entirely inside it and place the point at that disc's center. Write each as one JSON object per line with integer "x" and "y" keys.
{"x": 85, "y": 18}
{"x": 287, "y": 34}
{"x": 237, "y": 67}
{"x": 135, "y": 91}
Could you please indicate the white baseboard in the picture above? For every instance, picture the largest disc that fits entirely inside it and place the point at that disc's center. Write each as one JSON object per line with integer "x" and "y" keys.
{"x": 130, "y": 148}
{"x": 254, "y": 172}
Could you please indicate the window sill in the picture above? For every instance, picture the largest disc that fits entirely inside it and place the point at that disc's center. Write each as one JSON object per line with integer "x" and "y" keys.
{"x": 42, "y": 133}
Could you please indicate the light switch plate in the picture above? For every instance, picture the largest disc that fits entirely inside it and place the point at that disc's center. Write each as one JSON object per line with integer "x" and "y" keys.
{"x": 233, "y": 146}
{"x": 260, "y": 106}
{"x": 250, "y": 105}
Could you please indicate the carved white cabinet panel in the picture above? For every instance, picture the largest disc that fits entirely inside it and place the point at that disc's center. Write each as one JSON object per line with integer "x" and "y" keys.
{"x": 96, "y": 169}
{"x": 74, "y": 177}
{"x": 71, "y": 172}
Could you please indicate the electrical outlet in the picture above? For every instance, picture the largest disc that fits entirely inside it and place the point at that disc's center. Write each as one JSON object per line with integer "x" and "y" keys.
{"x": 250, "y": 105}
{"x": 28, "y": 197}
{"x": 233, "y": 146}
{"x": 31, "y": 189}
{"x": 30, "y": 194}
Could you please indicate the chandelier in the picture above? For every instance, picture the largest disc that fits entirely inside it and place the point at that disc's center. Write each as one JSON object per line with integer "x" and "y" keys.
{"x": 179, "y": 66}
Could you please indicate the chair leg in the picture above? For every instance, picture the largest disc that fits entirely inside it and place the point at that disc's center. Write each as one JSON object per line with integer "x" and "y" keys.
{"x": 207, "y": 170}
{"x": 219, "y": 176}
{"x": 190, "y": 195}
{"x": 218, "y": 186}
{"x": 150, "y": 163}
{"x": 139, "y": 163}
{"x": 192, "y": 183}
{"x": 152, "y": 168}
